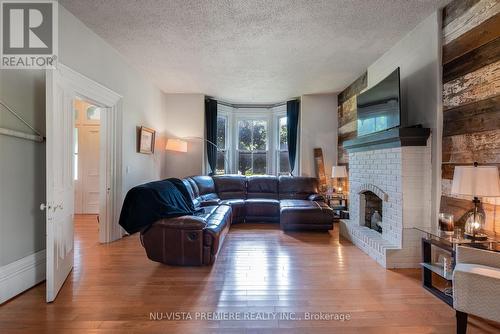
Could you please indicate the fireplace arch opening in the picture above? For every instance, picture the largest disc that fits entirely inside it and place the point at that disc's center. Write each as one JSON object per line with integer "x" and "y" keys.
{"x": 371, "y": 207}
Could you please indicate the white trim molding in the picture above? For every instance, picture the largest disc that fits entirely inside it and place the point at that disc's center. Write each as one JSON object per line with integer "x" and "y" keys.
{"x": 110, "y": 168}
{"x": 19, "y": 276}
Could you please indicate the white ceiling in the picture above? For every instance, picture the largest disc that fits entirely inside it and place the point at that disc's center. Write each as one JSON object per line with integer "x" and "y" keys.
{"x": 252, "y": 51}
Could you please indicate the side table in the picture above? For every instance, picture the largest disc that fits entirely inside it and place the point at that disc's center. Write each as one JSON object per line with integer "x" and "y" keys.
{"x": 433, "y": 239}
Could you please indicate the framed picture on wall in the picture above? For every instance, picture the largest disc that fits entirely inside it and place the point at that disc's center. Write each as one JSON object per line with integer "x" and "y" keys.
{"x": 146, "y": 140}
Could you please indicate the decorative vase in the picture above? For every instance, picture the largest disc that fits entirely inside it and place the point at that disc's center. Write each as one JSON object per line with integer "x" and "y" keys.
{"x": 446, "y": 224}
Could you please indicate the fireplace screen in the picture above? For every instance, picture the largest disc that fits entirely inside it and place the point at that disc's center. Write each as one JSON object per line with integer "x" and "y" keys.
{"x": 372, "y": 205}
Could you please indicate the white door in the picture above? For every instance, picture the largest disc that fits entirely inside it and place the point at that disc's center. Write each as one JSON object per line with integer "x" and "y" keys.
{"x": 91, "y": 170}
{"x": 87, "y": 183}
{"x": 60, "y": 188}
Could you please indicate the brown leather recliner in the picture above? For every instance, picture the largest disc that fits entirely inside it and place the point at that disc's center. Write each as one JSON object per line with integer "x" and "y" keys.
{"x": 188, "y": 240}
{"x": 196, "y": 240}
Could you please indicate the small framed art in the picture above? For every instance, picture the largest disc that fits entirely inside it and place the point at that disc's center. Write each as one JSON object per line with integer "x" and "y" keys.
{"x": 146, "y": 138}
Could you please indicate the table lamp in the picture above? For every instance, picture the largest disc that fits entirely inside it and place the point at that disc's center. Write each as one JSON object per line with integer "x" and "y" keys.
{"x": 476, "y": 181}
{"x": 337, "y": 173}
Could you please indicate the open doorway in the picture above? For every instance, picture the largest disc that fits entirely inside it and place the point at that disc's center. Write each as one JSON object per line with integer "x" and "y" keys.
{"x": 86, "y": 148}
{"x": 64, "y": 87}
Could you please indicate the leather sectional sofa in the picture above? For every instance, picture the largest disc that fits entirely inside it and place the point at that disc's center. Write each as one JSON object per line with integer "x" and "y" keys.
{"x": 196, "y": 240}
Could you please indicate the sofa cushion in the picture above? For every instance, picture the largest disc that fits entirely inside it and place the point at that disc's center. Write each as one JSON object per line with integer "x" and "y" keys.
{"x": 261, "y": 209}
{"x": 205, "y": 212}
{"x": 206, "y": 187}
{"x": 262, "y": 186}
{"x": 297, "y": 203}
{"x": 218, "y": 224}
{"x": 191, "y": 188}
{"x": 297, "y": 187}
{"x": 303, "y": 214}
{"x": 237, "y": 207}
{"x": 230, "y": 186}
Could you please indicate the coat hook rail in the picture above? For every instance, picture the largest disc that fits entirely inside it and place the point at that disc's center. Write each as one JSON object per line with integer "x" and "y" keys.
{"x": 23, "y": 135}
{"x": 18, "y": 134}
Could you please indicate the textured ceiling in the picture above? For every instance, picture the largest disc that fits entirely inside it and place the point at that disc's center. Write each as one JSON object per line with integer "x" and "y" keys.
{"x": 252, "y": 51}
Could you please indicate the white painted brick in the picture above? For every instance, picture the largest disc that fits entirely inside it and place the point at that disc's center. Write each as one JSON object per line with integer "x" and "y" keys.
{"x": 404, "y": 175}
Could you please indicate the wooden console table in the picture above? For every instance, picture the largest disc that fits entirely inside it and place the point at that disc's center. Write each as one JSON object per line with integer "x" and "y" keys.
{"x": 446, "y": 244}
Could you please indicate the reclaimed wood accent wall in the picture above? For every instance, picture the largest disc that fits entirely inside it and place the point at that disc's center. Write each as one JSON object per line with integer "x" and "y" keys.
{"x": 347, "y": 120}
{"x": 471, "y": 97}
{"x": 347, "y": 115}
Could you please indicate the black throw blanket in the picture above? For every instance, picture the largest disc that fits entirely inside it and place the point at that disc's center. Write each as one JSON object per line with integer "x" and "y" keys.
{"x": 147, "y": 203}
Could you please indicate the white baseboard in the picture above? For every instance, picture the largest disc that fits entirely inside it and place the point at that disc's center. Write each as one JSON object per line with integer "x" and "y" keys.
{"x": 21, "y": 275}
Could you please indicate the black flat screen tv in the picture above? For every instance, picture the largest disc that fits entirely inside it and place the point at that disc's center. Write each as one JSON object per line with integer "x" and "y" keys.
{"x": 379, "y": 108}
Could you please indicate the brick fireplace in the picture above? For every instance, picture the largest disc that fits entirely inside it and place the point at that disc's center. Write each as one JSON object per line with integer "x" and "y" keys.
{"x": 400, "y": 177}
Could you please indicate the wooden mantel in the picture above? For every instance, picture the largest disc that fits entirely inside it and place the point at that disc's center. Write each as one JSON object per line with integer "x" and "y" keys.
{"x": 396, "y": 137}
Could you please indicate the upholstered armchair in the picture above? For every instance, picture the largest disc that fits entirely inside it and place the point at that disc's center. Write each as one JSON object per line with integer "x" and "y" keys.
{"x": 476, "y": 285}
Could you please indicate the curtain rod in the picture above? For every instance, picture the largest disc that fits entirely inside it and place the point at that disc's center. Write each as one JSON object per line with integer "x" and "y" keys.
{"x": 249, "y": 105}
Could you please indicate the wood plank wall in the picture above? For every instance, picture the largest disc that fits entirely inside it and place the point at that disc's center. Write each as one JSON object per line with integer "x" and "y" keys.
{"x": 471, "y": 97}
{"x": 347, "y": 115}
{"x": 347, "y": 119}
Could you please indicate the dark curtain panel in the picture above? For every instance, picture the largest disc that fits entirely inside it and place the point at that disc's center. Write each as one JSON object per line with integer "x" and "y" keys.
{"x": 292, "y": 124}
{"x": 211, "y": 133}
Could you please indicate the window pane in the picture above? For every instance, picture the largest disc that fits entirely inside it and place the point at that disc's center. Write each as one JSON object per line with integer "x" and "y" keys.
{"x": 245, "y": 163}
{"x": 93, "y": 113}
{"x": 220, "y": 166}
{"x": 244, "y": 135}
{"x": 284, "y": 163}
{"x": 283, "y": 134}
{"x": 221, "y": 132}
{"x": 259, "y": 163}
{"x": 259, "y": 135}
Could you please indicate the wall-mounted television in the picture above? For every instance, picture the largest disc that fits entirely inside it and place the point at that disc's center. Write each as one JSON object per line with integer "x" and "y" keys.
{"x": 379, "y": 108}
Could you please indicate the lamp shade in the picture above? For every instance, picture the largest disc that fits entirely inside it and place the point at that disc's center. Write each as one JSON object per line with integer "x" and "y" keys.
{"x": 480, "y": 181}
{"x": 176, "y": 145}
{"x": 339, "y": 171}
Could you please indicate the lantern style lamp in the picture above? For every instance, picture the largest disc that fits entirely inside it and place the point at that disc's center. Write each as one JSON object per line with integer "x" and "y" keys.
{"x": 476, "y": 181}
{"x": 337, "y": 173}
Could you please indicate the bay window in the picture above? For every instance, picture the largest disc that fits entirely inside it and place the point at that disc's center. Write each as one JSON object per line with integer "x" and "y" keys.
{"x": 252, "y": 141}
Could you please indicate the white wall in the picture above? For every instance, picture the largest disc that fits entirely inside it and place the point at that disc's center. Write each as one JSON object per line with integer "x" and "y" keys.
{"x": 22, "y": 166}
{"x": 143, "y": 103}
{"x": 318, "y": 128}
{"x": 185, "y": 117}
{"x": 418, "y": 55}
{"x": 22, "y": 163}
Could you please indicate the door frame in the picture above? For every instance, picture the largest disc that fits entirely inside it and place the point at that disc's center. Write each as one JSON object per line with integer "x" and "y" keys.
{"x": 110, "y": 148}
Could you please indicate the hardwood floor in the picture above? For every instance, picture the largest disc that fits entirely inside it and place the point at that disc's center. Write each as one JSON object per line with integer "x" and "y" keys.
{"x": 114, "y": 288}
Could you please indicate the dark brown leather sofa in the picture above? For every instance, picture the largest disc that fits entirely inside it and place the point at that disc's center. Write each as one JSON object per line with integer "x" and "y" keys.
{"x": 195, "y": 240}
